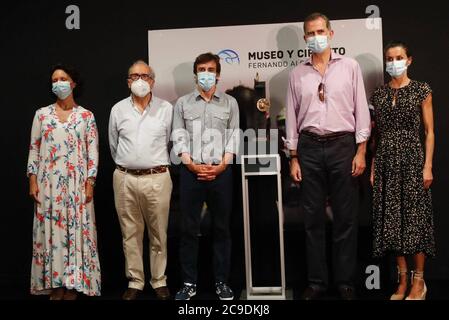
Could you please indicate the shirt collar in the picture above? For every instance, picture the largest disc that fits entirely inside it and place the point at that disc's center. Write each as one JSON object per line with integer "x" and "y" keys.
{"x": 217, "y": 94}
{"x": 334, "y": 57}
{"x": 131, "y": 101}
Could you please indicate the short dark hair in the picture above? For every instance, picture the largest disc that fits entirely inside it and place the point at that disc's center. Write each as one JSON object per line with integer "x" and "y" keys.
{"x": 398, "y": 43}
{"x": 314, "y": 16}
{"x": 206, "y": 57}
{"x": 73, "y": 73}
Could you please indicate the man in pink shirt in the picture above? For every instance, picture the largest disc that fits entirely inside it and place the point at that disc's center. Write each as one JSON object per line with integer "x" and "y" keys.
{"x": 328, "y": 125}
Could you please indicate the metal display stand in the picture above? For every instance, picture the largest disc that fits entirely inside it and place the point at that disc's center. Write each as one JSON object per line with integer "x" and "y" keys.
{"x": 262, "y": 165}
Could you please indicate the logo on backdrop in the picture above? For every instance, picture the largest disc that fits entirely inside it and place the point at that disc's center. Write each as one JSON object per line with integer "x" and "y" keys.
{"x": 229, "y": 56}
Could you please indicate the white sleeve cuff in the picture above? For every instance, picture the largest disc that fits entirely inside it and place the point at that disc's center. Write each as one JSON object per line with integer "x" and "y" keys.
{"x": 362, "y": 136}
{"x": 292, "y": 144}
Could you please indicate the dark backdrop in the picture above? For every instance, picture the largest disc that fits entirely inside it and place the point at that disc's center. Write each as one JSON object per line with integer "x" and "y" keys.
{"x": 114, "y": 34}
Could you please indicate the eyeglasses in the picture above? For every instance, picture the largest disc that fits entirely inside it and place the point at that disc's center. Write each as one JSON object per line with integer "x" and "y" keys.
{"x": 321, "y": 91}
{"x": 143, "y": 76}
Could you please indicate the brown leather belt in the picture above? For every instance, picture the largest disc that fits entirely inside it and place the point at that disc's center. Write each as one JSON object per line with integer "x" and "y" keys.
{"x": 326, "y": 137}
{"x": 141, "y": 172}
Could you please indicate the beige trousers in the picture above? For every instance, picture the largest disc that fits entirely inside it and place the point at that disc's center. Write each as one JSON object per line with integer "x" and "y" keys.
{"x": 139, "y": 201}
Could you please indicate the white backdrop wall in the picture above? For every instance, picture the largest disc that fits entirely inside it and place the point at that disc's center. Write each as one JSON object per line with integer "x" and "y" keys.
{"x": 270, "y": 50}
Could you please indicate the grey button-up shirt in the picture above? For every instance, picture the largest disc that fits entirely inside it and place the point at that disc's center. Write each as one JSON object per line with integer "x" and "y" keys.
{"x": 206, "y": 130}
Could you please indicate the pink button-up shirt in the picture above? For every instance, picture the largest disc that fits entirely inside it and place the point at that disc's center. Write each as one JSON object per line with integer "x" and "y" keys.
{"x": 345, "y": 106}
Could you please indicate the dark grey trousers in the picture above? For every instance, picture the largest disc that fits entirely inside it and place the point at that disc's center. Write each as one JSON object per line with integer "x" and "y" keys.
{"x": 326, "y": 171}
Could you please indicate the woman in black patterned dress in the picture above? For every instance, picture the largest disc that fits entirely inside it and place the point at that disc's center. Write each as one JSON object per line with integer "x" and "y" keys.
{"x": 401, "y": 172}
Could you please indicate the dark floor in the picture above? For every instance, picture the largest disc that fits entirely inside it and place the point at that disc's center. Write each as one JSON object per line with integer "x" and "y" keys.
{"x": 437, "y": 290}
{"x": 265, "y": 272}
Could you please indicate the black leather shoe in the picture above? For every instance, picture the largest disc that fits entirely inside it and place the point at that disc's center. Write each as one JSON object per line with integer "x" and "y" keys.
{"x": 347, "y": 293}
{"x": 313, "y": 293}
{"x": 131, "y": 294}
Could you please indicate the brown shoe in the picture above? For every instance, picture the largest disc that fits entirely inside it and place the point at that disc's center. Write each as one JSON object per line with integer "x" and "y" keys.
{"x": 70, "y": 295}
{"x": 57, "y": 294}
{"x": 131, "y": 294}
{"x": 162, "y": 293}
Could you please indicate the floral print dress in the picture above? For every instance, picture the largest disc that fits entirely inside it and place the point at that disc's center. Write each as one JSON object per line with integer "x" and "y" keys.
{"x": 63, "y": 156}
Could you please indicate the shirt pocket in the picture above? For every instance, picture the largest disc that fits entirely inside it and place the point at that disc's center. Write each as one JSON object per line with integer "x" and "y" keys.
{"x": 159, "y": 128}
{"x": 220, "y": 120}
{"x": 191, "y": 117}
{"x": 157, "y": 138}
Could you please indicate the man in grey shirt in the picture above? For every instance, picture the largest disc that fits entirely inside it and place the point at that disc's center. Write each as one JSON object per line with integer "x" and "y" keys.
{"x": 206, "y": 136}
{"x": 139, "y": 132}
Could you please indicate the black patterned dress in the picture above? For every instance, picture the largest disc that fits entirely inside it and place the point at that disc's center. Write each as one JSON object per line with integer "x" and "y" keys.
{"x": 402, "y": 208}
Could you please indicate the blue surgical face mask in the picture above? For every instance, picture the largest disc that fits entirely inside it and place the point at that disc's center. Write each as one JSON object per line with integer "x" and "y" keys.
{"x": 62, "y": 89}
{"x": 206, "y": 80}
{"x": 396, "y": 68}
{"x": 317, "y": 43}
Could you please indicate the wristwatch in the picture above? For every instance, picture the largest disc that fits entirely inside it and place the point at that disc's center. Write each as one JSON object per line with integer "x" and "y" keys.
{"x": 91, "y": 182}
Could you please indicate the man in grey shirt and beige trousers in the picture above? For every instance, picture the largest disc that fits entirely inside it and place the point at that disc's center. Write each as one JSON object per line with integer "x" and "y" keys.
{"x": 139, "y": 132}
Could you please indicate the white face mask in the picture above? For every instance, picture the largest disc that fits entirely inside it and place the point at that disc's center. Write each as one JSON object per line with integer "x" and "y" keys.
{"x": 317, "y": 43}
{"x": 396, "y": 68}
{"x": 62, "y": 89}
{"x": 140, "y": 88}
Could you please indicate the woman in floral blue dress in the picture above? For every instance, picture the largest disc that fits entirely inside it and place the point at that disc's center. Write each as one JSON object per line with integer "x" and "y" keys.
{"x": 62, "y": 167}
